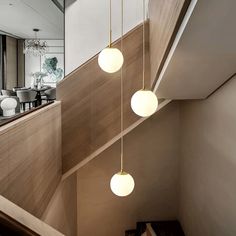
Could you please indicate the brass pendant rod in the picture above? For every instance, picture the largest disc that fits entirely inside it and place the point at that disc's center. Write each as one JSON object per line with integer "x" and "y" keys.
{"x": 144, "y": 56}
{"x": 122, "y": 92}
{"x": 110, "y": 23}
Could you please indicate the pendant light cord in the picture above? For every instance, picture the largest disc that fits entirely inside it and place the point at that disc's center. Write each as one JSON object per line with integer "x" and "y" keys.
{"x": 122, "y": 93}
{"x": 110, "y": 22}
{"x": 144, "y": 56}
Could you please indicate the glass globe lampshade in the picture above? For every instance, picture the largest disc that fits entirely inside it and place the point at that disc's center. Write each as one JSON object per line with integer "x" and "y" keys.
{"x": 122, "y": 184}
{"x": 110, "y": 60}
{"x": 144, "y": 103}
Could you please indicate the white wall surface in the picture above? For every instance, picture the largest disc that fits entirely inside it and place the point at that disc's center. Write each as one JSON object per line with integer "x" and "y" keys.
{"x": 87, "y": 27}
{"x": 208, "y": 165}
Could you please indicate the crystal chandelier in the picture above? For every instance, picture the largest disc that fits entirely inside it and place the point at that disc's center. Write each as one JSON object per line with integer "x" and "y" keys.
{"x": 34, "y": 46}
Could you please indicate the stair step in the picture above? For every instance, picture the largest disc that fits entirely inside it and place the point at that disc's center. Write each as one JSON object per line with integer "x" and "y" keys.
{"x": 161, "y": 228}
{"x": 131, "y": 232}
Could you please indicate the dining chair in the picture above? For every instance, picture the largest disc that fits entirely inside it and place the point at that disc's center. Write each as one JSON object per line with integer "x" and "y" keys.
{"x": 7, "y": 92}
{"x": 44, "y": 88}
{"x": 50, "y": 94}
{"x": 27, "y": 97}
{"x": 20, "y": 88}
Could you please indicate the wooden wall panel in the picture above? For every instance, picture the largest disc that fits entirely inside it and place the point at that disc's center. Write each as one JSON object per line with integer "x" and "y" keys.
{"x": 30, "y": 159}
{"x": 151, "y": 157}
{"x": 21, "y": 222}
{"x": 163, "y": 19}
{"x": 91, "y": 101}
{"x": 11, "y": 62}
{"x": 61, "y": 212}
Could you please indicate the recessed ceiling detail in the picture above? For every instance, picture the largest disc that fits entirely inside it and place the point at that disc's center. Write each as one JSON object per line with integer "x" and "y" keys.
{"x": 206, "y": 54}
{"x": 19, "y": 17}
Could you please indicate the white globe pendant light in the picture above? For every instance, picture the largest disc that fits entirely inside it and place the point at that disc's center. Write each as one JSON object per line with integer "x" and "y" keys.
{"x": 110, "y": 59}
{"x": 122, "y": 183}
{"x": 144, "y": 102}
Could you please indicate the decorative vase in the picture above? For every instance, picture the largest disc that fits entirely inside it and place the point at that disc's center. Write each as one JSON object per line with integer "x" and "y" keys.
{"x": 38, "y": 79}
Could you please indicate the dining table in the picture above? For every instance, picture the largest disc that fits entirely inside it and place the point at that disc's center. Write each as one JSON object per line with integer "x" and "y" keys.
{"x": 38, "y": 96}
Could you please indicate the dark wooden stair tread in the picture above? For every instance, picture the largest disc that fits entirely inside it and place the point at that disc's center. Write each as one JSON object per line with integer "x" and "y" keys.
{"x": 131, "y": 232}
{"x": 161, "y": 228}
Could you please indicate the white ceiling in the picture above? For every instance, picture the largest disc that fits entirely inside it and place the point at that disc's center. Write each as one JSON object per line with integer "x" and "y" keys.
{"x": 206, "y": 54}
{"x": 19, "y": 17}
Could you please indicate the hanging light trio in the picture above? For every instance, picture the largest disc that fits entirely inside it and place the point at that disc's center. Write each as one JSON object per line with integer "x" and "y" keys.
{"x": 144, "y": 102}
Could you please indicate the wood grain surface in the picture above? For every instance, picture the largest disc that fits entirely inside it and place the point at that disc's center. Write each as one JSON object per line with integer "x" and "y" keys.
{"x": 163, "y": 16}
{"x": 91, "y": 101}
{"x": 30, "y": 159}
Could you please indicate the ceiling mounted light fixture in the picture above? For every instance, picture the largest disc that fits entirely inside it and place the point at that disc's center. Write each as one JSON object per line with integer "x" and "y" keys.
{"x": 122, "y": 184}
{"x": 110, "y": 59}
{"x": 144, "y": 102}
{"x": 35, "y": 46}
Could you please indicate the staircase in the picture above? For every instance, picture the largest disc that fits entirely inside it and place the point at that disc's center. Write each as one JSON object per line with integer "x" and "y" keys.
{"x": 16, "y": 221}
{"x": 91, "y": 111}
{"x": 91, "y": 98}
{"x": 157, "y": 228}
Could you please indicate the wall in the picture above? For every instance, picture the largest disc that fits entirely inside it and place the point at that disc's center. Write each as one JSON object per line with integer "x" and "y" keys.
{"x": 151, "y": 156}
{"x": 87, "y": 27}
{"x": 30, "y": 160}
{"x": 61, "y": 212}
{"x": 91, "y": 101}
{"x": 208, "y": 164}
{"x": 93, "y": 120}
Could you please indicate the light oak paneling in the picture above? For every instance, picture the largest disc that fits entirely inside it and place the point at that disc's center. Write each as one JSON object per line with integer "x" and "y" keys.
{"x": 30, "y": 161}
{"x": 164, "y": 16}
{"x": 151, "y": 153}
{"x": 111, "y": 142}
{"x": 19, "y": 216}
{"x": 61, "y": 212}
{"x": 91, "y": 101}
{"x": 4, "y": 163}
